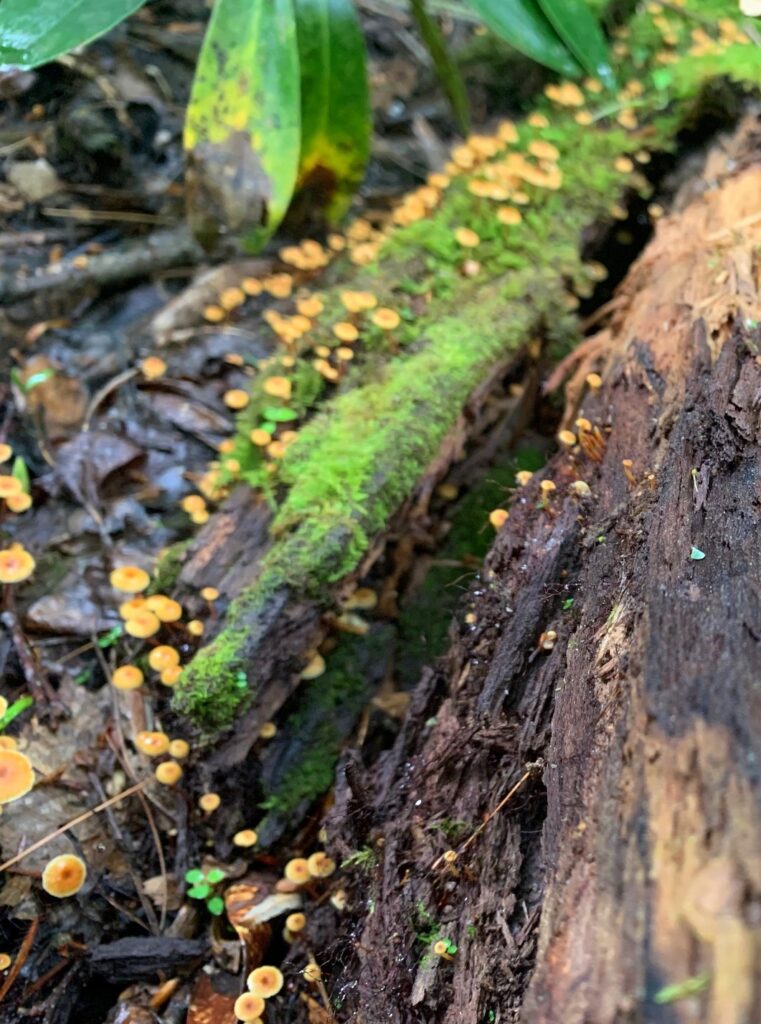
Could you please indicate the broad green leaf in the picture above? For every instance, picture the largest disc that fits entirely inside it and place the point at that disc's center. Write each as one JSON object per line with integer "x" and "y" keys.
{"x": 335, "y": 103}
{"x": 577, "y": 26}
{"x": 524, "y": 26}
{"x": 199, "y": 891}
{"x": 194, "y": 875}
{"x": 215, "y": 875}
{"x": 33, "y": 32}
{"x": 278, "y": 415}
{"x": 243, "y": 124}
{"x": 16, "y": 708}
{"x": 215, "y": 905}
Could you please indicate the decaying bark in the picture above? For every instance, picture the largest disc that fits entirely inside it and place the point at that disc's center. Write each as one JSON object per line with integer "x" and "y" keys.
{"x": 611, "y": 680}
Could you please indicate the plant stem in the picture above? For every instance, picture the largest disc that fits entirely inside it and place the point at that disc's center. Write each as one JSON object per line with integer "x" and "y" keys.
{"x": 446, "y": 69}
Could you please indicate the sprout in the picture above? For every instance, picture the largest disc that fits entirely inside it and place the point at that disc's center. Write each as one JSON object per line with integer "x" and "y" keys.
{"x": 153, "y": 744}
{"x": 168, "y": 773}
{"x": 64, "y": 875}
{"x": 249, "y": 1008}
{"x": 265, "y": 982}
{"x": 130, "y": 579}
{"x": 16, "y": 775}
{"x": 127, "y": 677}
{"x": 16, "y": 564}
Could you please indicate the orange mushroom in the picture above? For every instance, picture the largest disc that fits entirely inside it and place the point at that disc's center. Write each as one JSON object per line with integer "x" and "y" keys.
{"x": 385, "y": 318}
{"x": 168, "y": 773}
{"x": 64, "y": 875}
{"x": 277, "y": 387}
{"x": 162, "y": 657}
{"x": 16, "y": 775}
{"x": 127, "y": 677}
{"x": 209, "y": 802}
{"x": 249, "y": 1008}
{"x": 265, "y": 982}
{"x": 130, "y": 579}
{"x": 142, "y": 624}
{"x": 153, "y": 744}
{"x": 16, "y": 564}
{"x": 297, "y": 870}
{"x": 245, "y": 838}
{"x": 9, "y": 485}
{"x": 320, "y": 865}
{"x": 179, "y": 749}
{"x": 19, "y": 502}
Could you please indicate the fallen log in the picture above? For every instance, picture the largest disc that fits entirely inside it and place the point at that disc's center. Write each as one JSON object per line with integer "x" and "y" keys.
{"x": 573, "y": 805}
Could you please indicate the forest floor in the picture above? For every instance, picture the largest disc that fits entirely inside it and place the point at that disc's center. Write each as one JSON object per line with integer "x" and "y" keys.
{"x": 97, "y": 282}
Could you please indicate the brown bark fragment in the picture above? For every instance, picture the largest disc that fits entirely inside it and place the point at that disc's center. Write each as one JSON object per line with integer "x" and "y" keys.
{"x": 639, "y": 849}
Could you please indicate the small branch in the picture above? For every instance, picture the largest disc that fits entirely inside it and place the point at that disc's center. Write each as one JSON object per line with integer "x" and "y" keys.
{"x": 20, "y": 960}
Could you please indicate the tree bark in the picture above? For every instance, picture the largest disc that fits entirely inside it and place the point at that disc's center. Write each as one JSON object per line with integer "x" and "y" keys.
{"x": 590, "y": 747}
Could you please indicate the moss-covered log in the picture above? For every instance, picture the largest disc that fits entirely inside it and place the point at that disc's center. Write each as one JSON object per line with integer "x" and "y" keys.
{"x": 589, "y": 750}
{"x": 365, "y": 443}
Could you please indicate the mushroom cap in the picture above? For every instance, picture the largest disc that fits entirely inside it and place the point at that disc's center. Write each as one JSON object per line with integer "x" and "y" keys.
{"x": 5, "y": 452}
{"x": 127, "y": 677}
{"x": 245, "y": 838}
{"x": 249, "y": 1007}
{"x": 265, "y": 982}
{"x": 312, "y": 972}
{"x": 128, "y": 608}
{"x": 19, "y": 502}
{"x": 296, "y": 922}
{"x": 153, "y": 367}
{"x": 171, "y": 675}
{"x": 277, "y": 387}
{"x": 195, "y": 627}
{"x": 209, "y": 593}
{"x": 16, "y": 775}
{"x": 64, "y": 875}
{"x": 320, "y": 865}
{"x": 5, "y": 961}
{"x": 385, "y": 318}
{"x": 166, "y": 609}
{"x": 3, "y": 706}
{"x": 209, "y": 802}
{"x": 162, "y": 657}
{"x": 142, "y": 624}
{"x": 168, "y": 773}
{"x": 16, "y": 564}
{"x": 345, "y": 331}
{"x": 297, "y": 870}
{"x": 236, "y": 398}
{"x": 9, "y": 485}
{"x": 179, "y": 748}
{"x": 152, "y": 743}
{"x": 8, "y": 743}
{"x": 130, "y": 579}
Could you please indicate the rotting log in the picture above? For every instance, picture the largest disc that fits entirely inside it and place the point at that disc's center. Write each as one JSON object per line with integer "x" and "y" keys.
{"x": 603, "y": 698}
{"x": 360, "y": 457}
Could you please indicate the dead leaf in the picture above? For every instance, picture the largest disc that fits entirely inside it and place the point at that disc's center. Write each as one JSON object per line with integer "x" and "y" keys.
{"x": 60, "y": 400}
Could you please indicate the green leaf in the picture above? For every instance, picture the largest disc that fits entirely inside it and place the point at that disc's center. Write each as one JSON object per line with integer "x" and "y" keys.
{"x": 36, "y": 378}
{"x": 214, "y": 875}
{"x": 33, "y": 32}
{"x": 280, "y": 415}
{"x": 696, "y": 554}
{"x": 335, "y": 103}
{"x": 446, "y": 69}
{"x": 243, "y": 123}
{"x": 14, "y": 710}
{"x": 578, "y": 28}
{"x": 21, "y": 473}
{"x": 216, "y": 905}
{"x": 194, "y": 875}
{"x": 110, "y": 638}
{"x": 524, "y": 26}
{"x": 682, "y": 989}
{"x": 200, "y": 891}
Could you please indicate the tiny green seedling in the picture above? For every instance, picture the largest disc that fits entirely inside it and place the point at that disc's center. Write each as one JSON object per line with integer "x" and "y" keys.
{"x": 202, "y": 887}
{"x": 696, "y": 554}
{"x": 682, "y": 989}
{"x": 14, "y": 710}
{"x": 110, "y": 638}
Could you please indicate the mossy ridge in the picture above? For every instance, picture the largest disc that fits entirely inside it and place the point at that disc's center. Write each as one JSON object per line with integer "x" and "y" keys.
{"x": 329, "y": 515}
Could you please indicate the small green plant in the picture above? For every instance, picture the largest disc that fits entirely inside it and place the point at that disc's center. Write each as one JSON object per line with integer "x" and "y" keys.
{"x": 364, "y": 860}
{"x": 682, "y": 989}
{"x": 203, "y": 885}
{"x": 280, "y": 93}
{"x": 453, "y": 828}
{"x": 14, "y": 710}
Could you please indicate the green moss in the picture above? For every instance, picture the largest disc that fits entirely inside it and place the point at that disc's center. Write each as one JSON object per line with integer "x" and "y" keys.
{"x": 300, "y": 764}
{"x": 169, "y": 566}
{"x": 358, "y": 458}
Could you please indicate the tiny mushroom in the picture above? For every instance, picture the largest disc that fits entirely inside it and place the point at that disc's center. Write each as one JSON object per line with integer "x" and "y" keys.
{"x": 168, "y": 773}
{"x": 297, "y": 871}
{"x": 265, "y": 982}
{"x": 179, "y": 748}
{"x": 130, "y": 579}
{"x": 127, "y": 677}
{"x": 320, "y": 865}
{"x": 153, "y": 744}
{"x": 209, "y": 802}
{"x": 245, "y": 838}
{"x": 16, "y": 775}
{"x": 16, "y": 564}
{"x": 249, "y": 1008}
{"x": 64, "y": 875}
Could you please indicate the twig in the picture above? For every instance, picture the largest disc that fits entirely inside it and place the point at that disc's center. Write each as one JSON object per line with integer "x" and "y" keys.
{"x": 39, "y": 687}
{"x": 20, "y": 960}
{"x": 88, "y": 216}
{"x": 104, "y": 392}
{"x": 158, "y": 251}
{"x": 85, "y": 816}
{"x": 531, "y": 769}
